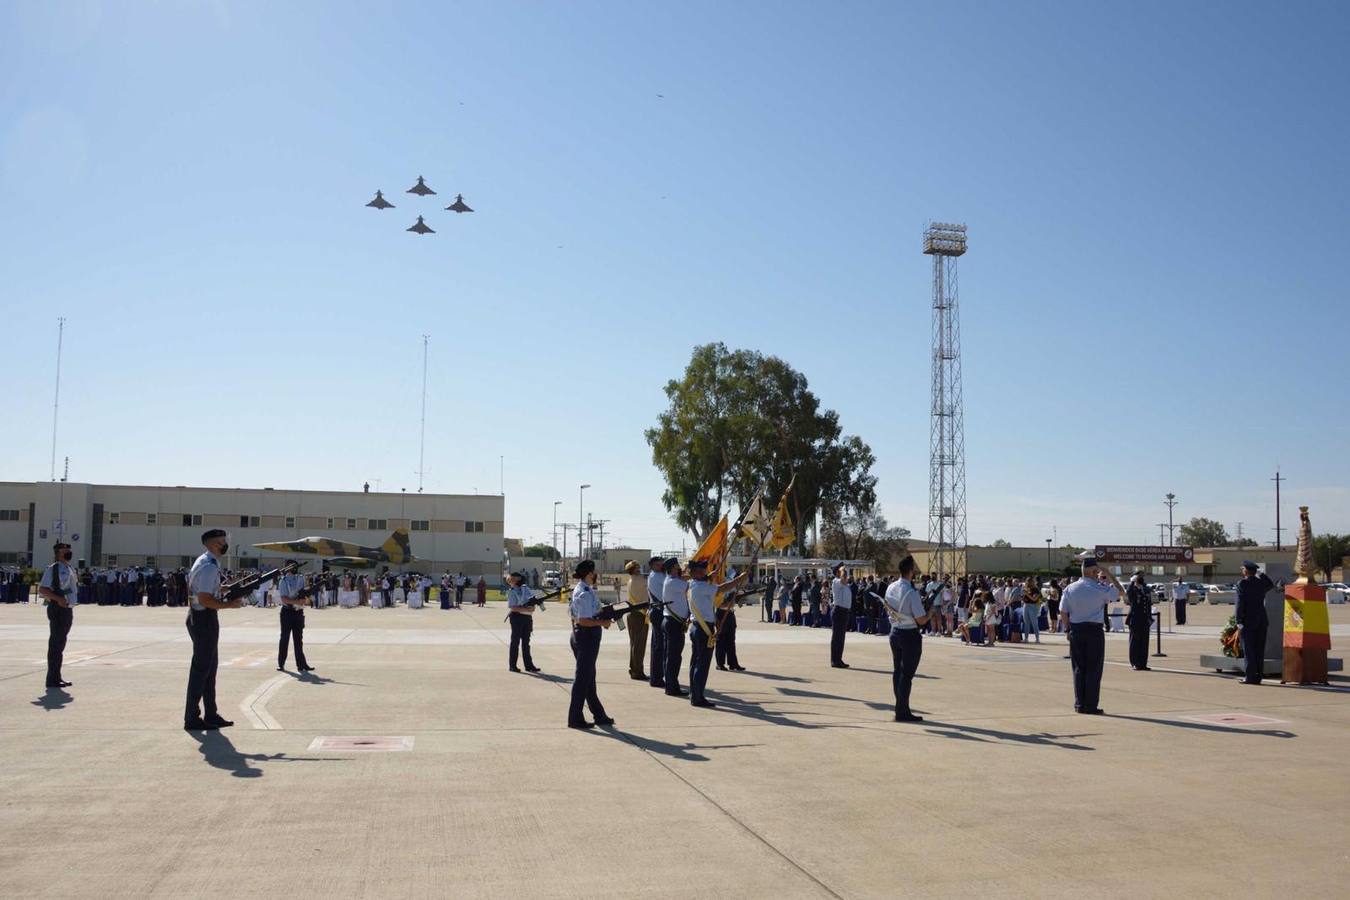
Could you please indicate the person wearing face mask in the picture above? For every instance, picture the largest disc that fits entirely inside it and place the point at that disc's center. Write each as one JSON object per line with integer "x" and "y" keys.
{"x": 203, "y": 626}
{"x": 587, "y": 628}
{"x": 59, "y": 588}
{"x": 702, "y": 602}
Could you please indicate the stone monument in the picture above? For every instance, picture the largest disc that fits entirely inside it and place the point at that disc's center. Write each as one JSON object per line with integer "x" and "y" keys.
{"x": 1307, "y": 628}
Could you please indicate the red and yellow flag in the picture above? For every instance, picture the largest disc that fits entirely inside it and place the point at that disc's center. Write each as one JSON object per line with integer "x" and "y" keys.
{"x": 714, "y": 549}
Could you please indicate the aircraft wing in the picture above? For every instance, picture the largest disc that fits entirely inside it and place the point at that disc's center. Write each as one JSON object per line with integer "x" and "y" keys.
{"x": 321, "y": 546}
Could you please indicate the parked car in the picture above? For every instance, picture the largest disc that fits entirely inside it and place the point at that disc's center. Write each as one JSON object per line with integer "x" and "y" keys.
{"x": 552, "y": 579}
{"x": 1337, "y": 586}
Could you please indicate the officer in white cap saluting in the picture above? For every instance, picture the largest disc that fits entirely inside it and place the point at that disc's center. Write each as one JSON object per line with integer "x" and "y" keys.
{"x": 1083, "y": 609}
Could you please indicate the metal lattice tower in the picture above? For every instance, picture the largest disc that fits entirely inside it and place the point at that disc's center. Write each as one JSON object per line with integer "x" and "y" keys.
{"x": 947, "y": 439}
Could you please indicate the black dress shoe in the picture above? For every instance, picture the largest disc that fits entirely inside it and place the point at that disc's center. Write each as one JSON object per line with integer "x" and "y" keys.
{"x": 1094, "y": 712}
{"x": 306, "y": 668}
{"x": 513, "y": 669}
{"x": 721, "y": 668}
{"x": 60, "y": 684}
{"x": 839, "y": 665}
{"x": 604, "y": 722}
{"x": 909, "y": 718}
{"x": 658, "y": 684}
{"x": 705, "y": 704}
{"x": 218, "y": 722}
{"x": 533, "y": 669}
{"x": 198, "y": 725}
{"x": 737, "y": 668}
{"x": 676, "y": 693}
{"x": 638, "y": 677}
{"x": 582, "y": 725}
{"x": 281, "y": 668}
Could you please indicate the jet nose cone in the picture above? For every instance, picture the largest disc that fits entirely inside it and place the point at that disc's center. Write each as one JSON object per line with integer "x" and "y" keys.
{"x": 459, "y": 205}
{"x": 420, "y": 188}
{"x": 379, "y": 202}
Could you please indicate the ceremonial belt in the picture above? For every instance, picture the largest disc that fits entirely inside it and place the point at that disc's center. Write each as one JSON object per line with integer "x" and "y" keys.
{"x": 693, "y": 607}
{"x": 671, "y": 613}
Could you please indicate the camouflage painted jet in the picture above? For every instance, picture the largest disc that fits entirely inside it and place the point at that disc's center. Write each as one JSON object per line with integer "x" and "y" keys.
{"x": 395, "y": 551}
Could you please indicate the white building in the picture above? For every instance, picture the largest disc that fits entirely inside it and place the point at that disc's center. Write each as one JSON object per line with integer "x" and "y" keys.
{"x": 135, "y": 525}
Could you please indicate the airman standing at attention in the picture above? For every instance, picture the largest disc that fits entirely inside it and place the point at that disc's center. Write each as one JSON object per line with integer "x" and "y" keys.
{"x": 586, "y": 633}
{"x": 703, "y": 608}
{"x": 521, "y": 614}
{"x": 291, "y": 591}
{"x": 675, "y": 599}
{"x": 59, "y": 588}
{"x": 203, "y": 627}
{"x": 656, "y": 581}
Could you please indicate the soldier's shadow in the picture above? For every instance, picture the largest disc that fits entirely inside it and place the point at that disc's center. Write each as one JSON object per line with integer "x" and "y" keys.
{"x": 987, "y": 735}
{"x": 685, "y": 752}
{"x": 311, "y": 678}
{"x": 220, "y": 753}
{"x": 54, "y": 698}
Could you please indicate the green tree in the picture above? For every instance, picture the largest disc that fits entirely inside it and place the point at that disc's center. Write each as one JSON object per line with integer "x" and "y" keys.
{"x": 1000, "y": 542}
{"x": 1329, "y": 552}
{"x": 1202, "y": 532}
{"x": 547, "y": 551}
{"x": 738, "y": 421}
{"x": 864, "y": 535}
{"x": 1242, "y": 542}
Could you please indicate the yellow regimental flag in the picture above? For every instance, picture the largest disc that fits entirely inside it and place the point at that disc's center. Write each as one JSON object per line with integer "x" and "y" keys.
{"x": 755, "y": 524}
{"x": 783, "y": 535}
{"x": 713, "y": 550}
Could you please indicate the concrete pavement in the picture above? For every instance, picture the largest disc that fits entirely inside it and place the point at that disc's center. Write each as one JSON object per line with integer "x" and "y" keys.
{"x": 800, "y": 785}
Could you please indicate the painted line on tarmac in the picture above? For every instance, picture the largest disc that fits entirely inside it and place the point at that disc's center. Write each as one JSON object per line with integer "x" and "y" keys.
{"x": 254, "y": 706}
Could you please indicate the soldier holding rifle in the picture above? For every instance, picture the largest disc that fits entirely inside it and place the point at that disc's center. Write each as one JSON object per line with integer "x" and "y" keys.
{"x": 586, "y": 633}
{"x": 204, "y": 628}
{"x": 702, "y": 604}
{"x": 656, "y": 581}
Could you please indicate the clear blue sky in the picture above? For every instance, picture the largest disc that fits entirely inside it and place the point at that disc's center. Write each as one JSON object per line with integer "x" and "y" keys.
{"x": 1154, "y": 298}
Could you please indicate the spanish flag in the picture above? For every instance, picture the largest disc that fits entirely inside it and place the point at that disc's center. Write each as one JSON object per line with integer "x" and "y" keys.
{"x": 713, "y": 550}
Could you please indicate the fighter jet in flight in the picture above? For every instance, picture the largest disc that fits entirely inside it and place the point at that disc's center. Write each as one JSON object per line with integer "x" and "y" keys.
{"x": 397, "y": 550}
{"x": 379, "y": 202}
{"x": 421, "y": 227}
{"x": 459, "y": 205}
{"x": 420, "y": 188}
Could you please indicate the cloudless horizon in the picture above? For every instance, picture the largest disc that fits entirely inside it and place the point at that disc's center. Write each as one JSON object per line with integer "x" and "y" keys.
{"x": 1154, "y": 298}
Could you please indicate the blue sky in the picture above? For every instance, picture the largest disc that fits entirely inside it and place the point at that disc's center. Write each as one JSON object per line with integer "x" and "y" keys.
{"x": 1154, "y": 298}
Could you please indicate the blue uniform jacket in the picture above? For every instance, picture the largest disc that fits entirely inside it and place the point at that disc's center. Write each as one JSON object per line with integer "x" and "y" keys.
{"x": 1251, "y": 599}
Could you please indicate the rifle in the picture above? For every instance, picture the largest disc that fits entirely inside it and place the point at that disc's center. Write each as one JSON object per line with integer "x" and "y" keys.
{"x": 617, "y": 612}
{"x": 741, "y": 598}
{"x": 246, "y": 585}
{"x": 539, "y": 601}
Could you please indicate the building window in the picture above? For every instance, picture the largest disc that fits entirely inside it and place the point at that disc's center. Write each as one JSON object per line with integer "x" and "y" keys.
{"x": 249, "y": 521}
{"x": 185, "y": 561}
{"x": 110, "y": 559}
{"x": 290, "y": 521}
{"x": 377, "y": 524}
{"x": 114, "y": 518}
{"x": 9, "y": 559}
{"x": 473, "y": 526}
{"x": 152, "y": 518}
{"x": 9, "y": 515}
{"x": 421, "y": 524}
{"x": 330, "y": 525}
{"x": 351, "y": 523}
{"x": 189, "y": 520}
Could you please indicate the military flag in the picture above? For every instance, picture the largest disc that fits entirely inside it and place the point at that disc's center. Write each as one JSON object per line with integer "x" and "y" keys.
{"x": 755, "y": 523}
{"x": 782, "y": 533}
{"x": 714, "y": 549}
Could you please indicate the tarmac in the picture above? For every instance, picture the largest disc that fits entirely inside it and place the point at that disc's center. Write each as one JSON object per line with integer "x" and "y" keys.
{"x": 413, "y": 764}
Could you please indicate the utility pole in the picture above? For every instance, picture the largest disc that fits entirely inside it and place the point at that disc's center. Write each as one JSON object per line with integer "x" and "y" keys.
{"x": 1171, "y": 502}
{"x": 1278, "y": 530}
{"x": 1239, "y": 533}
{"x": 556, "y": 503}
{"x": 562, "y": 564}
{"x": 946, "y": 243}
{"x": 581, "y": 519}
{"x": 1161, "y": 526}
{"x": 56, "y": 401}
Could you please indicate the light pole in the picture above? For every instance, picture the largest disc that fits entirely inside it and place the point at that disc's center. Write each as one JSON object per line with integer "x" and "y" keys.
{"x": 581, "y": 520}
{"x": 555, "y": 529}
{"x": 1047, "y": 555}
{"x": 1171, "y": 501}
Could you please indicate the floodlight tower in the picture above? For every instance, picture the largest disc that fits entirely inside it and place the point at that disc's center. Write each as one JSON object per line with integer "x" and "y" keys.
{"x": 945, "y": 242}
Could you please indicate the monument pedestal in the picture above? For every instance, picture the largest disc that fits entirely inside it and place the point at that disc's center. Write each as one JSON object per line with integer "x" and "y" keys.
{"x": 1307, "y": 634}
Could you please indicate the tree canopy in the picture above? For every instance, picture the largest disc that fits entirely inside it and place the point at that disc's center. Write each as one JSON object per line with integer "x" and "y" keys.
{"x": 738, "y": 420}
{"x": 1202, "y": 532}
{"x": 1329, "y": 550}
{"x": 864, "y": 535}
{"x": 547, "y": 551}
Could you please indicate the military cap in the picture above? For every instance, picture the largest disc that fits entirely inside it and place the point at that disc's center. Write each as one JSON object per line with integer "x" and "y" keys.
{"x": 1248, "y": 564}
{"x": 656, "y": 561}
{"x": 1089, "y": 561}
{"x": 671, "y": 564}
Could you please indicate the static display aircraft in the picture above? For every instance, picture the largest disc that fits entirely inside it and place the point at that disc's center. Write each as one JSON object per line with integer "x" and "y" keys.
{"x": 396, "y": 551}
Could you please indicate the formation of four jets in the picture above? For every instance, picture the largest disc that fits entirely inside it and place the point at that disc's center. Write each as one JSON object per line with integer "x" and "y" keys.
{"x": 422, "y": 190}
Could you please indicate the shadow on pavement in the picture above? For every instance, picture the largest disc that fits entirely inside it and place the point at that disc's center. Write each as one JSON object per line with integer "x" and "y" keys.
{"x": 311, "y": 678}
{"x": 684, "y": 752}
{"x": 54, "y": 698}
{"x": 220, "y": 753}
{"x": 740, "y": 707}
{"x": 769, "y": 676}
{"x": 820, "y": 695}
{"x": 990, "y": 735}
{"x": 891, "y": 672}
{"x": 556, "y": 679}
{"x": 1219, "y": 729}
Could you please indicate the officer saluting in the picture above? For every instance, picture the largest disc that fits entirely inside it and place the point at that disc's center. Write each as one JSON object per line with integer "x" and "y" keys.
{"x": 656, "y": 581}
{"x": 586, "y": 632}
{"x": 60, "y": 589}
{"x": 293, "y": 619}
{"x": 1252, "y": 621}
{"x": 1083, "y": 610}
{"x": 204, "y": 628}
{"x": 702, "y": 604}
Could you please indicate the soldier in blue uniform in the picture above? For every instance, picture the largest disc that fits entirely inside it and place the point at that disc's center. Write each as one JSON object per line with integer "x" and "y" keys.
{"x": 586, "y": 632}
{"x": 59, "y": 588}
{"x": 1140, "y": 599}
{"x": 656, "y": 582}
{"x": 1084, "y": 611}
{"x": 703, "y": 613}
{"x": 1252, "y": 621}
{"x": 521, "y": 614}
{"x": 292, "y": 620}
{"x": 675, "y": 599}
{"x": 203, "y": 627}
